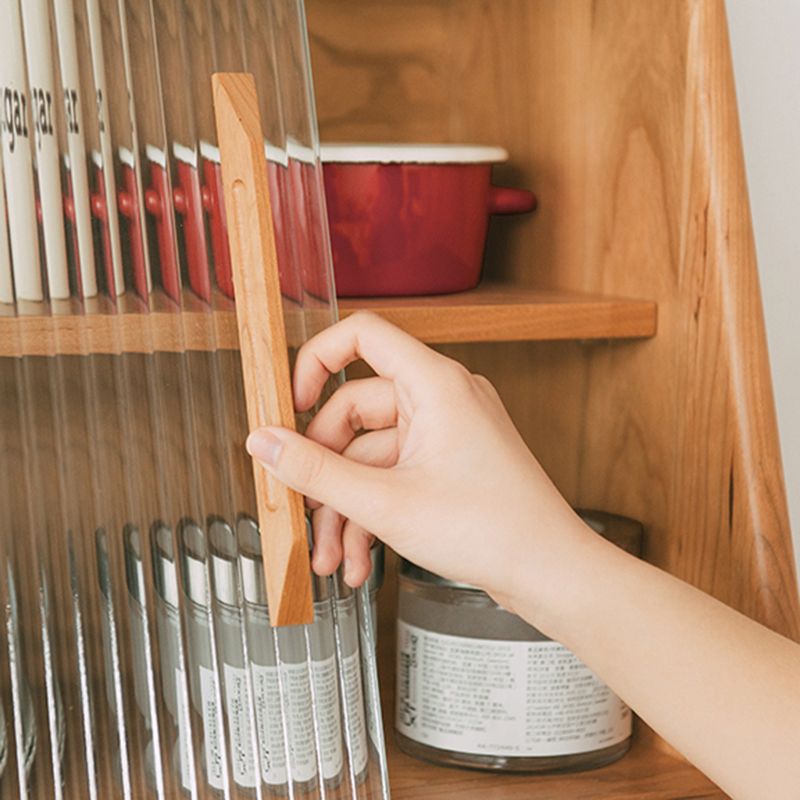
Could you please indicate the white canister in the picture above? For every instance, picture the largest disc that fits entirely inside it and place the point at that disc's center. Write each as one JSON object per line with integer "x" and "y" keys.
{"x": 479, "y": 687}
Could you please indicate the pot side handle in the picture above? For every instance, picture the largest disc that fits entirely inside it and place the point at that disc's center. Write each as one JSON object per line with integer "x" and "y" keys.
{"x": 503, "y": 200}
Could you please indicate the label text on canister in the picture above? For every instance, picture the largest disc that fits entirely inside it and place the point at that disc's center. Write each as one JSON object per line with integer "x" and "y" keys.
{"x": 502, "y": 698}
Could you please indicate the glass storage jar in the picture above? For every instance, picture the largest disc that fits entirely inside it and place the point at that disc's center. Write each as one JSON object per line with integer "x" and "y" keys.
{"x": 479, "y": 687}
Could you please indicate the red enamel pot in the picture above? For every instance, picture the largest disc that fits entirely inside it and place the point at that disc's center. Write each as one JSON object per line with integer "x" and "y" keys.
{"x": 412, "y": 219}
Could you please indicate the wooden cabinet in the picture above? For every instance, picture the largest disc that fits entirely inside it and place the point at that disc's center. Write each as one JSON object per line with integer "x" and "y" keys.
{"x": 622, "y": 118}
{"x": 621, "y": 323}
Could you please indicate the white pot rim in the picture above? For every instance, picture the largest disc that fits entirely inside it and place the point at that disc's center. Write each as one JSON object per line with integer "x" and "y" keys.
{"x": 357, "y": 153}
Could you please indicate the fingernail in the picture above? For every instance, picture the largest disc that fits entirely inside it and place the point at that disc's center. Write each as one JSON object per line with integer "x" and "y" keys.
{"x": 264, "y": 446}
{"x": 348, "y": 572}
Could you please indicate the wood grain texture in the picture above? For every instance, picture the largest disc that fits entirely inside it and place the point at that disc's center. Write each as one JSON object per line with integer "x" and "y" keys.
{"x": 496, "y": 313}
{"x": 262, "y": 338}
{"x": 623, "y": 120}
{"x": 492, "y": 312}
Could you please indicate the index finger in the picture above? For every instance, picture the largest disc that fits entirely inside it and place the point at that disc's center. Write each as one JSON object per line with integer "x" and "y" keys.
{"x": 392, "y": 353}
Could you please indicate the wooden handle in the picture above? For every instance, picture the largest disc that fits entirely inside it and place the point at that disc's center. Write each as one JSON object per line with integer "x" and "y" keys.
{"x": 262, "y": 339}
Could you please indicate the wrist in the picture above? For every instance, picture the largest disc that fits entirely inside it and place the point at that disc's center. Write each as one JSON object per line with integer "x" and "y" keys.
{"x": 551, "y": 574}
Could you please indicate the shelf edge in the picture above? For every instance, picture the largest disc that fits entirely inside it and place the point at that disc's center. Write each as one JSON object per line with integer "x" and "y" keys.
{"x": 491, "y": 317}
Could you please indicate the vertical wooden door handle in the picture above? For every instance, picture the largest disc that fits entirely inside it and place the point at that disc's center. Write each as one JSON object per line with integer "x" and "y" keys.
{"x": 262, "y": 338}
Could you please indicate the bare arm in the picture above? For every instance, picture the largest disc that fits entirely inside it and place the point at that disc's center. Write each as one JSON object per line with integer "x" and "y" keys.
{"x": 720, "y": 688}
{"x": 441, "y": 475}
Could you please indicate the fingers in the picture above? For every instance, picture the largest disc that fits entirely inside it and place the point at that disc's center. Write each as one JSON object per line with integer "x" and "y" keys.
{"x": 389, "y": 351}
{"x": 335, "y": 538}
{"x": 376, "y": 448}
{"x": 327, "y": 555}
{"x": 323, "y": 475}
{"x": 357, "y": 564}
{"x": 362, "y": 404}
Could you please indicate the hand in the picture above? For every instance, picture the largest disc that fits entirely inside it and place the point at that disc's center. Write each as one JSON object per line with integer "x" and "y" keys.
{"x": 442, "y": 476}
{"x": 439, "y": 473}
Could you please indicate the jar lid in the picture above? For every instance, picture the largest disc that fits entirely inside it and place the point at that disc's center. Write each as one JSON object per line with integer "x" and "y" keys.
{"x": 134, "y": 570}
{"x": 194, "y": 559}
{"x": 224, "y": 569}
{"x": 103, "y": 566}
{"x": 377, "y": 556}
{"x": 254, "y": 585}
{"x": 408, "y": 569}
{"x": 624, "y": 532}
{"x": 164, "y": 574}
{"x": 366, "y": 153}
{"x": 253, "y": 580}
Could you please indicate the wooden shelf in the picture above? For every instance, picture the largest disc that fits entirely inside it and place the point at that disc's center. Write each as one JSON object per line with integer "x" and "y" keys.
{"x": 495, "y": 313}
{"x": 644, "y": 773}
{"x": 488, "y": 313}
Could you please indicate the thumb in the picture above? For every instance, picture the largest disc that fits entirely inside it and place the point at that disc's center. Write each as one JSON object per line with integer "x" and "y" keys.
{"x": 357, "y": 491}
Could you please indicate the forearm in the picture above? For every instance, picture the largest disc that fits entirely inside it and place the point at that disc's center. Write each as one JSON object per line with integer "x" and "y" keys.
{"x": 722, "y": 689}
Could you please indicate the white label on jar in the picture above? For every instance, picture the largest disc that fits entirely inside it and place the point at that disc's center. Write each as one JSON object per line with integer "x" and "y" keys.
{"x": 237, "y": 705}
{"x": 212, "y": 728}
{"x": 268, "y": 723}
{"x": 187, "y": 775}
{"x": 329, "y": 716}
{"x": 301, "y": 725}
{"x": 354, "y": 698}
{"x": 502, "y": 698}
{"x": 301, "y": 721}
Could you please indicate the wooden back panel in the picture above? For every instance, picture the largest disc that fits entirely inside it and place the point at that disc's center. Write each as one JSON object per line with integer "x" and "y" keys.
{"x": 623, "y": 120}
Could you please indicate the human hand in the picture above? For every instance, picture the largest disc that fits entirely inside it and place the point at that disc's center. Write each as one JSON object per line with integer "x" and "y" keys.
{"x": 439, "y": 473}
{"x": 442, "y": 476}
